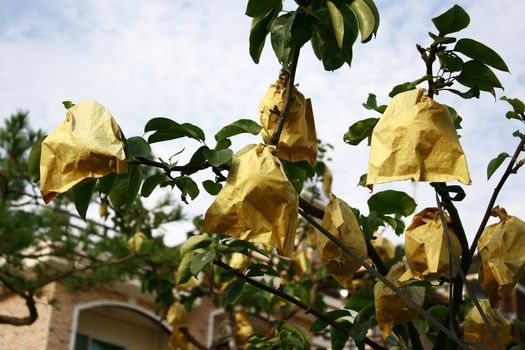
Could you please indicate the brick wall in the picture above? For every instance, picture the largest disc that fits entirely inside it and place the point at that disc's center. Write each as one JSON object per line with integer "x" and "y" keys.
{"x": 32, "y": 337}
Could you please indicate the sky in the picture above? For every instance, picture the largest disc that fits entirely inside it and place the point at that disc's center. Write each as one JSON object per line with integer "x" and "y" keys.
{"x": 189, "y": 61}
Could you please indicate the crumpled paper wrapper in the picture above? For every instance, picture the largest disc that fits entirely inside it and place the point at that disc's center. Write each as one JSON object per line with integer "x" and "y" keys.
{"x": 340, "y": 221}
{"x": 474, "y": 330}
{"x": 426, "y": 246}
{"x": 384, "y": 247}
{"x": 502, "y": 251}
{"x": 88, "y": 145}
{"x": 177, "y": 316}
{"x": 298, "y": 139}
{"x": 243, "y": 326}
{"x": 178, "y": 341}
{"x": 416, "y": 140}
{"x": 257, "y": 203}
{"x": 390, "y": 308}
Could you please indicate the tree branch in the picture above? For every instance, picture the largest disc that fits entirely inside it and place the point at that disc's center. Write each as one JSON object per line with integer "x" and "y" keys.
{"x": 186, "y": 333}
{"x": 490, "y": 206}
{"x": 387, "y": 282}
{"x": 288, "y": 99}
{"x": 297, "y": 302}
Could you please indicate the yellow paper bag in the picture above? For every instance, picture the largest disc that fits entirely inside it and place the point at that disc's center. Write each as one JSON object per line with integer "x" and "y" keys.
{"x": 426, "y": 246}
{"x": 87, "y": 145}
{"x": 474, "y": 330}
{"x": 390, "y": 308}
{"x": 298, "y": 139}
{"x": 384, "y": 247}
{"x": 177, "y": 316}
{"x": 257, "y": 202}
{"x": 178, "y": 341}
{"x": 243, "y": 326}
{"x": 340, "y": 221}
{"x": 502, "y": 251}
{"x": 415, "y": 139}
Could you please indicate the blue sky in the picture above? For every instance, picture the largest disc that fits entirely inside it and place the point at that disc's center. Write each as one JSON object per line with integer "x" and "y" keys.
{"x": 188, "y": 60}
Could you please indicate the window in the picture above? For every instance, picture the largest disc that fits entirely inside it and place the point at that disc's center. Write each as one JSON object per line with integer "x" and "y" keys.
{"x": 84, "y": 342}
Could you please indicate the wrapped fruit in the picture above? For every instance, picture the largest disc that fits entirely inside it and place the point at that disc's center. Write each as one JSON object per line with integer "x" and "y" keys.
{"x": 340, "y": 221}
{"x": 501, "y": 248}
{"x": 427, "y": 248}
{"x": 298, "y": 139}
{"x": 416, "y": 140}
{"x": 390, "y": 308}
{"x": 88, "y": 145}
{"x": 257, "y": 202}
{"x": 385, "y": 248}
{"x": 475, "y": 330}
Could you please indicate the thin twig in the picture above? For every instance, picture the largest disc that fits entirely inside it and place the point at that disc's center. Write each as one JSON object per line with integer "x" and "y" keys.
{"x": 490, "y": 206}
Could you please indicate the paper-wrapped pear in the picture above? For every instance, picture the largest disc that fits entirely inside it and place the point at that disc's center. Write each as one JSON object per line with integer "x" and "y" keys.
{"x": 87, "y": 145}
{"x": 384, "y": 247}
{"x": 415, "y": 139}
{"x": 341, "y": 222}
{"x": 426, "y": 246}
{"x": 502, "y": 251}
{"x": 257, "y": 203}
{"x": 475, "y": 331}
{"x": 298, "y": 139}
{"x": 390, "y": 308}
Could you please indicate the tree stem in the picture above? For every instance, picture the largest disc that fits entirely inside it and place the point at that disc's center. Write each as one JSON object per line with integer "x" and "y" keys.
{"x": 288, "y": 99}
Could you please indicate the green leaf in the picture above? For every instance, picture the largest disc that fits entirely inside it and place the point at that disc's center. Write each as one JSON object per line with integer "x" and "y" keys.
{"x": 476, "y": 74}
{"x": 133, "y": 186}
{"x": 471, "y": 93}
{"x": 138, "y": 147}
{"x": 371, "y": 104}
{"x": 297, "y": 173}
{"x": 68, "y": 104}
{"x": 441, "y": 39}
{"x": 411, "y": 85}
{"x": 338, "y": 25}
{"x": 361, "y": 298}
{"x": 281, "y": 38}
{"x": 318, "y": 325}
{"x": 212, "y": 187}
{"x": 33, "y": 161}
{"x": 360, "y": 130}
{"x": 517, "y": 134}
{"x": 105, "y": 183}
{"x": 240, "y": 126}
{"x": 495, "y": 163}
{"x": 259, "y": 269}
{"x": 118, "y": 192}
{"x": 481, "y": 52}
{"x": 223, "y": 144}
{"x": 218, "y": 158}
{"x": 183, "y": 271}
{"x": 338, "y": 338}
{"x": 82, "y": 196}
{"x": 517, "y": 104}
{"x": 453, "y": 20}
{"x": 258, "y": 32}
{"x": 359, "y": 330}
{"x": 200, "y": 261}
{"x": 324, "y": 42}
{"x": 456, "y": 119}
{"x": 233, "y": 291}
{"x": 402, "y": 88}
{"x": 167, "y": 129}
{"x": 392, "y": 202}
{"x": 367, "y": 17}
{"x": 401, "y": 330}
{"x": 187, "y": 186}
{"x": 151, "y": 183}
{"x": 449, "y": 61}
{"x": 196, "y": 162}
{"x": 258, "y": 8}
{"x": 362, "y": 180}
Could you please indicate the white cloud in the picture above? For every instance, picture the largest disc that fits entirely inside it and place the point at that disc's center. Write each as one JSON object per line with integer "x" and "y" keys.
{"x": 189, "y": 60}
